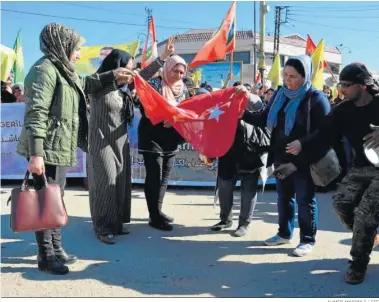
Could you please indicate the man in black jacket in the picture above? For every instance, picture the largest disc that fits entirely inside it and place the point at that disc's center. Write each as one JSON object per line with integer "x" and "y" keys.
{"x": 356, "y": 201}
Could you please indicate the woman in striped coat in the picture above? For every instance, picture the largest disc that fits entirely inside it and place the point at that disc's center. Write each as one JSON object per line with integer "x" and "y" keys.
{"x": 109, "y": 167}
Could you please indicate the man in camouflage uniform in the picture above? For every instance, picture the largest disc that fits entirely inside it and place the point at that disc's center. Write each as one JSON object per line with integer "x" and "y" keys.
{"x": 356, "y": 201}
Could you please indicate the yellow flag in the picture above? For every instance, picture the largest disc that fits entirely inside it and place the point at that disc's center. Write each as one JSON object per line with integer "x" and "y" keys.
{"x": 18, "y": 68}
{"x": 274, "y": 74}
{"x": 334, "y": 91}
{"x": 318, "y": 66}
{"x": 196, "y": 77}
{"x": 8, "y": 57}
{"x": 91, "y": 57}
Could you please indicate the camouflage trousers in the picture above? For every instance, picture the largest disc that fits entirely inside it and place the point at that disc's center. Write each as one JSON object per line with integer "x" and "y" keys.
{"x": 356, "y": 203}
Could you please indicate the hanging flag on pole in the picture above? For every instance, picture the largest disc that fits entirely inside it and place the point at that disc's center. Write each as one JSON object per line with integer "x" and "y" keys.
{"x": 318, "y": 66}
{"x": 274, "y": 74}
{"x": 310, "y": 48}
{"x": 221, "y": 43}
{"x": 18, "y": 67}
{"x": 150, "y": 53}
{"x": 8, "y": 57}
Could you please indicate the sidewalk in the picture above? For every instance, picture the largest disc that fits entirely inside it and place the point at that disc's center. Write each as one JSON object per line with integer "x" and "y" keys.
{"x": 191, "y": 261}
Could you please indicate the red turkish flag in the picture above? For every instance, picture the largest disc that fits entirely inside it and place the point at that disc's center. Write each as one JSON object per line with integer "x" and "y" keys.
{"x": 207, "y": 121}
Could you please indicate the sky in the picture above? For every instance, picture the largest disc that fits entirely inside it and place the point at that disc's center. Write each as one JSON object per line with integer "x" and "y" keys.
{"x": 352, "y": 24}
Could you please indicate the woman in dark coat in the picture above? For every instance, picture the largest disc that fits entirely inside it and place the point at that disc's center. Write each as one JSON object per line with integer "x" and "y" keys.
{"x": 159, "y": 143}
{"x": 287, "y": 115}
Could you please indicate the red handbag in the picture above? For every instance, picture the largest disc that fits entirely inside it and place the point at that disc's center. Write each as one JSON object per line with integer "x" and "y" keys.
{"x": 33, "y": 210}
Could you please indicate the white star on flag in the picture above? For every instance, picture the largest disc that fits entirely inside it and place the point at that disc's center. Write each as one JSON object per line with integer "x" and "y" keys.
{"x": 215, "y": 113}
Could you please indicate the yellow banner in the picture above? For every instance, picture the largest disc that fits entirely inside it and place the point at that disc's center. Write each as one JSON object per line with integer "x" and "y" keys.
{"x": 92, "y": 56}
{"x": 8, "y": 57}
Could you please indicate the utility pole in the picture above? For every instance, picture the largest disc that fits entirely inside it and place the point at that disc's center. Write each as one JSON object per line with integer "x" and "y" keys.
{"x": 279, "y": 21}
{"x": 149, "y": 14}
{"x": 264, "y": 9}
{"x": 255, "y": 40}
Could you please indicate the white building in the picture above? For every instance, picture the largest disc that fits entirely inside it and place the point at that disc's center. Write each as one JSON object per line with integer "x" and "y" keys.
{"x": 190, "y": 42}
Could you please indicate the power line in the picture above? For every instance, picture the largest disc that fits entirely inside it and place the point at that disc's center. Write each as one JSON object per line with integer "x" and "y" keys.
{"x": 91, "y": 20}
{"x": 333, "y": 27}
{"x": 333, "y": 7}
{"x": 338, "y": 10}
{"x": 117, "y": 11}
{"x": 334, "y": 17}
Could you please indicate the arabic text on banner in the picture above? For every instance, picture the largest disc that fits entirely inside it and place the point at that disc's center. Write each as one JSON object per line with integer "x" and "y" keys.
{"x": 13, "y": 166}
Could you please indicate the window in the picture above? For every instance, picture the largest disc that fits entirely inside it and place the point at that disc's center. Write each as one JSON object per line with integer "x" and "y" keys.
{"x": 270, "y": 59}
{"x": 188, "y": 57}
{"x": 239, "y": 56}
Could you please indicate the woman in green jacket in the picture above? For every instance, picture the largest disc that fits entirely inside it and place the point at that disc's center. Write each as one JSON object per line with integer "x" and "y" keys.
{"x": 55, "y": 123}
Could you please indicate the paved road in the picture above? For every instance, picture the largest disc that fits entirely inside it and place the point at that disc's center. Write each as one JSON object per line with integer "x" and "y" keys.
{"x": 191, "y": 261}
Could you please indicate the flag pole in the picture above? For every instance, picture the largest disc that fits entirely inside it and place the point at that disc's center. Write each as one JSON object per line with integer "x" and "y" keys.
{"x": 231, "y": 64}
{"x": 331, "y": 72}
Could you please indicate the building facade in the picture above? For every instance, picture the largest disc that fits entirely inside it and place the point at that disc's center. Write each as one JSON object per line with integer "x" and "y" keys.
{"x": 190, "y": 42}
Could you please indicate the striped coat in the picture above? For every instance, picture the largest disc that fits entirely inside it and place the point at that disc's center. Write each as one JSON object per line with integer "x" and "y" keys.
{"x": 109, "y": 167}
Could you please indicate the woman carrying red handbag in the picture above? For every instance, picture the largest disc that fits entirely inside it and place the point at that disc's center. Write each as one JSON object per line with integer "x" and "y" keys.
{"x": 55, "y": 123}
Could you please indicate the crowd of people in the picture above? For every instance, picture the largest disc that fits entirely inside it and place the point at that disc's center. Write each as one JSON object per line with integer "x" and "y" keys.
{"x": 284, "y": 130}
{"x": 12, "y": 93}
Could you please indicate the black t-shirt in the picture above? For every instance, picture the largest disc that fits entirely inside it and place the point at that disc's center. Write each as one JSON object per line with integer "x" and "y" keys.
{"x": 7, "y": 97}
{"x": 352, "y": 122}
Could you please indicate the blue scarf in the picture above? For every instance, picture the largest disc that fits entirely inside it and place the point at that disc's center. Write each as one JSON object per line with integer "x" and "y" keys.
{"x": 295, "y": 97}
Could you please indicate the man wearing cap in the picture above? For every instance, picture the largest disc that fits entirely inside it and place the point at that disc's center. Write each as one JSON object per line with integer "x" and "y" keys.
{"x": 356, "y": 201}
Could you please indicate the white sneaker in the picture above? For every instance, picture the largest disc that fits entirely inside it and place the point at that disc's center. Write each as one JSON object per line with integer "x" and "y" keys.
{"x": 303, "y": 249}
{"x": 276, "y": 240}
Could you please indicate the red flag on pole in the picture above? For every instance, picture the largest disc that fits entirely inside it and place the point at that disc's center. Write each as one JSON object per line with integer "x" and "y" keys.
{"x": 150, "y": 53}
{"x": 207, "y": 121}
{"x": 311, "y": 47}
{"x": 222, "y": 42}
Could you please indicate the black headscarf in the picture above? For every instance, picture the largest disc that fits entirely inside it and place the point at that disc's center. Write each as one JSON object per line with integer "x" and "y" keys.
{"x": 119, "y": 58}
{"x": 358, "y": 73}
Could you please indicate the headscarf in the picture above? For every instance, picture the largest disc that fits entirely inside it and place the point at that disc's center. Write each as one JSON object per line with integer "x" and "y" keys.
{"x": 171, "y": 89}
{"x": 58, "y": 42}
{"x": 358, "y": 73}
{"x": 117, "y": 58}
{"x": 295, "y": 96}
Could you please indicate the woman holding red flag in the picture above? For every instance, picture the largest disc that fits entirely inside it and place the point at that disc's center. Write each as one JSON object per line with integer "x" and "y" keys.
{"x": 287, "y": 115}
{"x": 159, "y": 143}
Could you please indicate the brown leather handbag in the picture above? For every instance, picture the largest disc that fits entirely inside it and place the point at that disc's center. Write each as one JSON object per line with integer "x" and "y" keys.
{"x": 33, "y": 210}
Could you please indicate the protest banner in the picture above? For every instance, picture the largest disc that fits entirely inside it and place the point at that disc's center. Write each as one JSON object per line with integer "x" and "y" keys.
{"x": 13, "y": 165}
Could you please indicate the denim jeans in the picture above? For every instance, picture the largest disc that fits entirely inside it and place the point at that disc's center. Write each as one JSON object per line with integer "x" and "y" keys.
{"x": 299, "y": 185}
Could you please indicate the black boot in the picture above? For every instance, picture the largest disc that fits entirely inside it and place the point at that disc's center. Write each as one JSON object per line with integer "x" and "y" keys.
{"x": 167, "y": 218}
{"x": 65, "y": 258}
{"x": 161, "y": 225}
{"x": 51, "y": 265}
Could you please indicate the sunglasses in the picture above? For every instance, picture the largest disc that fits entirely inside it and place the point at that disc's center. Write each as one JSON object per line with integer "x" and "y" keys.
{"x": 346, "y": 85}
